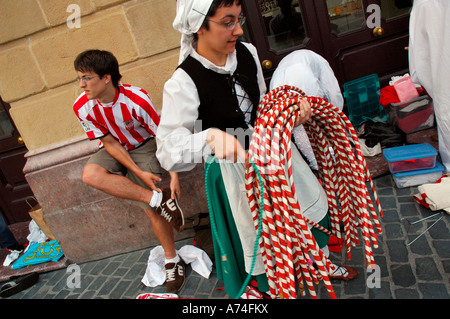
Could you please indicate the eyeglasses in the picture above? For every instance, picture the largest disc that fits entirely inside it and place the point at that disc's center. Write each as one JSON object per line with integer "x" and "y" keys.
{"x": 85, "y": 79}
{"x": 229, "y": 25}
{"x": 232, "y": 24}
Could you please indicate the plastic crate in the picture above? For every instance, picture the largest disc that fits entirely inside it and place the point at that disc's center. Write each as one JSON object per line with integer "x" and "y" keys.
{"x": 418, "y": 177}
{"x": 410, "y": 157}
{"x": 363, "y": 99}
{"x": 412, "y": 116}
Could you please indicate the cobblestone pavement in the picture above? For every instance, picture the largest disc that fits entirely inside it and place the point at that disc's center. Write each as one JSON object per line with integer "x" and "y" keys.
{"x": 418, "y": 270}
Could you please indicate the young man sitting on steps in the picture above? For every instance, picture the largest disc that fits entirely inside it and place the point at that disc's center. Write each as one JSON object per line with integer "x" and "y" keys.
{"x": 124, "y": 119}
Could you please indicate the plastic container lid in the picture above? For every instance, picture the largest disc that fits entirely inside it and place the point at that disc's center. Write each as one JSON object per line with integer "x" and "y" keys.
{"x": 437, "y": 168}
{"x": 406, "y": 152}
{"x": 370, "y": 80}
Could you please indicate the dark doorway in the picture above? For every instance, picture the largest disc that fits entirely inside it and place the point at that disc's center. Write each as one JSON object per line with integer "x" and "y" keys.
{"x": 342, "y": 31}
{"x": 15, "y": 193}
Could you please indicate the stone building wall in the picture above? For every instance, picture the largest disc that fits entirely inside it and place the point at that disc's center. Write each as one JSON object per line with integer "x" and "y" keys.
{"x": 39, "y": 39}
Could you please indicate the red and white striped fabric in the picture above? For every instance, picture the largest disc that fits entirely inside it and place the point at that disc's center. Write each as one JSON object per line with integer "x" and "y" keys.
{"x": 131, "y": 119}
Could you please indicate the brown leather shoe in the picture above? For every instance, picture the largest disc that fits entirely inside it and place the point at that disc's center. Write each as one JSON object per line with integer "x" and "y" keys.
{"x": 344, "y": 273}
{"x": 175, "y": 276}
{"x": 171, "y": 211}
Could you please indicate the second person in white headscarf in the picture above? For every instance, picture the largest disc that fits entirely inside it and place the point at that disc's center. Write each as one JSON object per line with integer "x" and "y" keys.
{"x": 312, "y": 74}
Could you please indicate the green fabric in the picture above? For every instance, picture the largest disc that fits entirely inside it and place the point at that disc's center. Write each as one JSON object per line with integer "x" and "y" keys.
{"x": 321, "y": 237}
{"x": 232, "y": 270}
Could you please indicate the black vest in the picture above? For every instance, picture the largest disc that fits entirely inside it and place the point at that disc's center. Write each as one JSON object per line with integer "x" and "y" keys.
{"x": 219, "y": 106}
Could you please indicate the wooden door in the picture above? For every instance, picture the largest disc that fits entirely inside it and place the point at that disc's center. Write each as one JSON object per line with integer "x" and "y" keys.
{"x": 364, "y": 37}
{"x": 14, "y": 190}
{"x": 277, "y": 28}
{"x": 339, "y": 30}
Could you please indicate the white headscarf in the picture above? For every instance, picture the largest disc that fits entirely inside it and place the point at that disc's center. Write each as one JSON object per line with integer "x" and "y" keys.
{"x": 189, "y": 19}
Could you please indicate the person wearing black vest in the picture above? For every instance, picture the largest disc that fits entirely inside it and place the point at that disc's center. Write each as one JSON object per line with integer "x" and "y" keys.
{"x": 219, "y": 106}
{"x": 209, "y": 107}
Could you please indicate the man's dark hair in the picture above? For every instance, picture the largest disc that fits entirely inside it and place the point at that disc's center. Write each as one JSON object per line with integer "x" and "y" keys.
{"x": 216, "y": 4}
{"x": 100, "y": 62}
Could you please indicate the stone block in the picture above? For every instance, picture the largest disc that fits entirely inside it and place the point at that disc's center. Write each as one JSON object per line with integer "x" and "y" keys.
{"x": 426, "y": 269}
{"x": 89, "y": 224}
{"x": 47, "y": 118}
{"x": 394, "y": 231}
{"x": 151, "y": 24}
{"x": 397, "y": 250}
{"x": 434, "y": 290}
{"x": 382, "y": 292}
{"x": 20, "y": 18}
{"x": 357, "y": 285}
{"x": 107, "y": 30}
{"x": 103, "y": 228}
{"x": 20, "y": 75}
{"x": 151, "y": 74}
{"x": 403, "y": 293}
{"x": 100, "y": 4}
{"x": 56, "y": 10}
{"x": 402, "y": 275}
{"x": 442, "y": 248}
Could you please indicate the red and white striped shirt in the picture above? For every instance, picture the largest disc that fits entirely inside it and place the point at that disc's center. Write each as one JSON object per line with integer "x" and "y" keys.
{"x": 131, "y": 119}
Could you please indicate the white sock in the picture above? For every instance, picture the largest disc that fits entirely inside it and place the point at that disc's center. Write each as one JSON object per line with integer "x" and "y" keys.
{"x": 173, "y": 260}
{"x": 156, "y": 199}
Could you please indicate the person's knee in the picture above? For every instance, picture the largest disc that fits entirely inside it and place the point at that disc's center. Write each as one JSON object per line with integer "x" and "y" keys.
{"x": 92, "y": 174}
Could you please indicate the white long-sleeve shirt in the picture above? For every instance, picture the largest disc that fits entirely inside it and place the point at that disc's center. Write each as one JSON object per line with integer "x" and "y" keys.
{"x": 182, "y": 145}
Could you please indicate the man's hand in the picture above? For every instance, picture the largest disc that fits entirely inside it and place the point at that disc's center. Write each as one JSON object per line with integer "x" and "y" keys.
{"x": 304, "y": 114}
{"x": 150, "y": 180}
{"x": 225, "y": 145}
{"x": 116, "y": 150}
{"x": 174, "y": 185}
